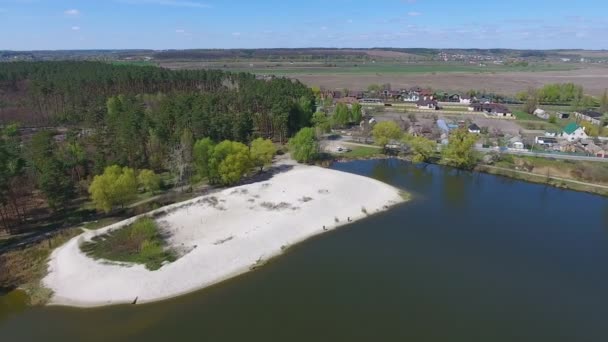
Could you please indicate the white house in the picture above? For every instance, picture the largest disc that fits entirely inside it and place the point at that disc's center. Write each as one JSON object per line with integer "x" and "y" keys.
{"x": 574, "y": 132}
{"x": 410, "y": 97}
{"x": 465, "y": 99}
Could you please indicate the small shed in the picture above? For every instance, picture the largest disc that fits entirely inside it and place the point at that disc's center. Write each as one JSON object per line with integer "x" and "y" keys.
{"x": 473, "y": 128}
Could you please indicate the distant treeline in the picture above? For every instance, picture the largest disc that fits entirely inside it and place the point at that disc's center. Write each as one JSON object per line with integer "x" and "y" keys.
{"x": 75, "y": 93}
{"x": 314, "y": 54}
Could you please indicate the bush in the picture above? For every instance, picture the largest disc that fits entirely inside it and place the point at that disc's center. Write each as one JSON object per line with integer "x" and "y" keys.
{"x": 148, "y": 180}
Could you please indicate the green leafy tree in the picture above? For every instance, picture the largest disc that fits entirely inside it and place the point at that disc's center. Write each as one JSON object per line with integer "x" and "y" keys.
{"x": 341, "y": 115}
{"x": 52, "y": 179}
{"x": 422, "y": 149}
{"x": 384, "y": 132}
{"x": 374, "y": 88}
{"x": 531, "y": 102}
{"x": 459, "y": 152}
{"x": 552, "y": 119}
{"x": 304, "y": 146}
{"x": 148, "y": 180}
{"x": 203, "y": 152}
{"x": 235, "y": 165}
{"x": 356, "y": 114}
{"x": 12, "y": 171}
{"x": 604, "y": 102}
{"x": 321, "y": 123}
{"x": 229, "y": 163}
{"x": 262, "y": 151}
{"x": 56, "y": 186}
{"x": 116, "y": 186}
{"x": 306, "y": 106}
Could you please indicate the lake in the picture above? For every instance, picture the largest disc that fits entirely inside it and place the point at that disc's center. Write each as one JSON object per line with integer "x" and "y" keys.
{"x": 472, "y": 257}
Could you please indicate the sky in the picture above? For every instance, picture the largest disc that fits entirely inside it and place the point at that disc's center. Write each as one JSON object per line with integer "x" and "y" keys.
{"x": 187, "y": 24}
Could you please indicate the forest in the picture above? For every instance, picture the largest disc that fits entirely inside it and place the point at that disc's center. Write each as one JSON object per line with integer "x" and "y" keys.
{"x": 65, "y": 122}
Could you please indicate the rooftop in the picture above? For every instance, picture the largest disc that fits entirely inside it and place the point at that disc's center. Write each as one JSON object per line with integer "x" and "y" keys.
{"x": 571, "y": 128}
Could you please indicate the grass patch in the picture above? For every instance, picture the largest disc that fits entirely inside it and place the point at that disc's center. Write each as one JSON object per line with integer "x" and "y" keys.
{"x": 538, "y": 125}
{"x": 25, "y": 268}
{"x": 583, "y": 171}
{"x": 140, "y": 242}
{"x": 406, "y": 196}
{"x": 542, "y": 179}
{"x": 521, "y": 115}
{"x": 362, "y": 152}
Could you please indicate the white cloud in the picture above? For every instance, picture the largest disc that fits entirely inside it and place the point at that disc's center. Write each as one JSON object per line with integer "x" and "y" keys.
{"x": 414, "y": 14}
{"x": 180, "y": 31}
{"x": 323, "y": 28}
{"x": 174, "y": 3}
{"x": 236, "y": 34}
{"x": 350, "y": 21}
{"x": 75, "y": 28}
{"x": 72, "y": 12}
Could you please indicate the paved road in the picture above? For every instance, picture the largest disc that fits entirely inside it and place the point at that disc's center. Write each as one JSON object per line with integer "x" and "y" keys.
{"x": 546, "y": 155}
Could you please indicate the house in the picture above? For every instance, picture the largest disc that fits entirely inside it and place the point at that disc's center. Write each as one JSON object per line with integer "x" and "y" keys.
{"x": 541, "y": 114}
{"x": 573, "y": 132}
{"x": 358, "y": 94}
{"x": 495, "y": 109}
{"x": 590, "y": 115}
{"x": 427, "y": 104}
{"x": 393, "y": 94}
{"x": 426, "y": 94}
{"x": 596, "y": 151}
{"x": 465, "y": 99}
{"x": 454, "y": 98}
{"x": 546, "y": 141}
{"x": 473, "y": 128}
{"x": 551, "y": 134}
{"x": 410, "y": 96}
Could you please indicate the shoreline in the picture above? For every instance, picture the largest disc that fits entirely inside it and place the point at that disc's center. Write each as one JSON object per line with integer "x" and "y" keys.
{"x": 244, "y": 227}
{"x": 555, "y": 182}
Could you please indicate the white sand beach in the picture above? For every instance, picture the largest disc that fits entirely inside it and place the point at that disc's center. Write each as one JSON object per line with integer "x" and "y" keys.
{"x": 224, "y": 234}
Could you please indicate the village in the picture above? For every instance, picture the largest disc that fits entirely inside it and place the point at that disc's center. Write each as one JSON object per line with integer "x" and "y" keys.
{"x": 499, "y": 122}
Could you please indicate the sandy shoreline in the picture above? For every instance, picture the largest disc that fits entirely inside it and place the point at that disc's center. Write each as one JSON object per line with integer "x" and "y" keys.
{"x": 222, "y": 235}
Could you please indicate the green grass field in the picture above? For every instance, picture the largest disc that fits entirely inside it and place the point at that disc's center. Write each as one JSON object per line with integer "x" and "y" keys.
{"x": 362, "y": 152}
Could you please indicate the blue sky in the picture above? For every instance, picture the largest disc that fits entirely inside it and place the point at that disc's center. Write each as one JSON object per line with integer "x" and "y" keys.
{"x": 181, "y": 24}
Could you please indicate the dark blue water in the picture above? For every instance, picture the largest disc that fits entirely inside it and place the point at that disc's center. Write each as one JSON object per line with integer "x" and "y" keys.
{"x": 472, "y": 257}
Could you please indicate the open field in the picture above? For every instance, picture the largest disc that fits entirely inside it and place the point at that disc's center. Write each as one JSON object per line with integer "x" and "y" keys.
{"x": 593, "y": 79}
{"x": 355, "y": 68}
{"x": 443, "y": 76}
